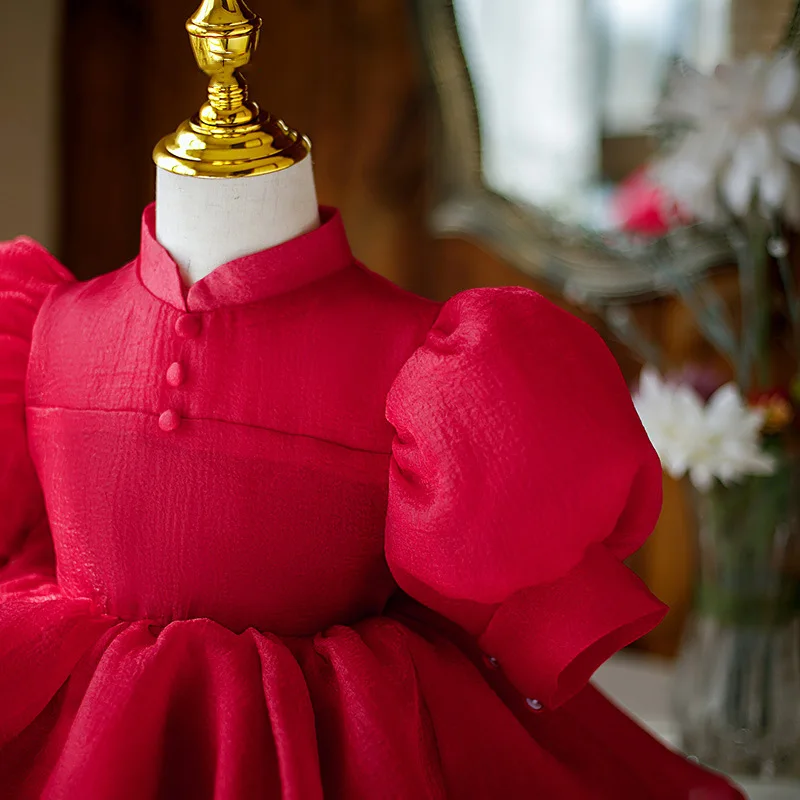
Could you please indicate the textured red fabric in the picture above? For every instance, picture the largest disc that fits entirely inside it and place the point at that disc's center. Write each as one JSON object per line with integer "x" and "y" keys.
{"x": 208, "y": 505}
{"x": 526, "y": 633}
{"x": 27, "y": 274}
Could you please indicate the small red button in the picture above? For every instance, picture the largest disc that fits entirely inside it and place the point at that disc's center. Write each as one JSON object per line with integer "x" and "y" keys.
{"x": 188, "y": 326}
{"x": 175, "y": 375}
{"x": 169, "y": 420}
{"x": 491, "y": 662}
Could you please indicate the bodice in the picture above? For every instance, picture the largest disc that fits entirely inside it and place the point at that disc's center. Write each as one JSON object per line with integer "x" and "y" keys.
{"x": 221, "y": 455}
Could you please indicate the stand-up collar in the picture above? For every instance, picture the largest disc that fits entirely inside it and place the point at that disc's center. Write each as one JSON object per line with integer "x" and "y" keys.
{"x": 279, "y": 269}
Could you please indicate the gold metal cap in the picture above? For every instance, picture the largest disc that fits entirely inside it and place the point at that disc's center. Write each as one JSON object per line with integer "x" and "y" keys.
{"x": 230, "y": 137}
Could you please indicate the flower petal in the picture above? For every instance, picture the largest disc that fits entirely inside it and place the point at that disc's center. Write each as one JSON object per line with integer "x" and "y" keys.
{"x": 687, "y": 96}
{"x": 774, "y": 185}
{"x": 738, "y": 182}
{"x": 651, "y": 387}
{"x": 762, "y": 464}
{"x": 689, "y": 174}
{"x": 781, "y": 84}
{"x": 757, "y": 146}
{"x": 701, "y": 477}
{"x": 788, "y": 135}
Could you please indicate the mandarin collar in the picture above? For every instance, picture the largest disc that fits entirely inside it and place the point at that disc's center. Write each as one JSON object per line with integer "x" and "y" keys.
{"x": 279, "y": 269}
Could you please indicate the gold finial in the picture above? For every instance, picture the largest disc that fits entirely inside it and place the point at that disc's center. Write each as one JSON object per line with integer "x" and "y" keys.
{"x": 230, "y": 137}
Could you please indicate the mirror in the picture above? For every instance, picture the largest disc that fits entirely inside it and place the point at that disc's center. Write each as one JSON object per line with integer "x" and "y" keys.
{"x": 547, "y": 111}
{"x": 566, "y": 91}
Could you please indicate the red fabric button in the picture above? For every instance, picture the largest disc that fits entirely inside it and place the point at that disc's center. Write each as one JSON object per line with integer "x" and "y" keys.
{"x": 188, "y": 326}
{"x": 175, "y": 375}
{"x": 169, "y": 420}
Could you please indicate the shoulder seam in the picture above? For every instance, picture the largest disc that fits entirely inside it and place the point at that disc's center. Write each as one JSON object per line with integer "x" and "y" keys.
{"x": 433, "y": 304}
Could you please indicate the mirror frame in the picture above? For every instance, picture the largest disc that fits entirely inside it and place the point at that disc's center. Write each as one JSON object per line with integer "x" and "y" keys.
{"x": 592, "y": 269}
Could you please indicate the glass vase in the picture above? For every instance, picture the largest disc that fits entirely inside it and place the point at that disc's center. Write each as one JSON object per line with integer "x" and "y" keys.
{"x": 737, "y": 690}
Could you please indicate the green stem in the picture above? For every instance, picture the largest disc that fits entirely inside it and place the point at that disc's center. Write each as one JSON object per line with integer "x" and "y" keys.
{"x": 792, "y": 299}
{"x": 786, "y": 271}
{"x": 748, "y": 292}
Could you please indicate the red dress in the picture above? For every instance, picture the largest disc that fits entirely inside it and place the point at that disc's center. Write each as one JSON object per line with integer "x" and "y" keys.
{"x": 208, "y": 505}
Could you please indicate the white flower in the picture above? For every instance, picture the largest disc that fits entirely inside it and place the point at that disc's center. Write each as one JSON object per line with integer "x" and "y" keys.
{"x": 673, "y": 417}
{"x": 718, "y": 440}
{"x": 731, "y": 447}
{"x": 743, "y": 139}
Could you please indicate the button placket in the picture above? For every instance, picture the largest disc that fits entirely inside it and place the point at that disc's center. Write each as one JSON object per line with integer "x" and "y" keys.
{"x": 187, "y": 326}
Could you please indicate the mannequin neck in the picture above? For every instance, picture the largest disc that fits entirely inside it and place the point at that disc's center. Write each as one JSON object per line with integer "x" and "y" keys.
{"x": 207, "y": 222}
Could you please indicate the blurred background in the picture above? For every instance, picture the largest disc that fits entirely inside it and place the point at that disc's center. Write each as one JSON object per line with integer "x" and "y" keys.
{"x": 564, "y": 95}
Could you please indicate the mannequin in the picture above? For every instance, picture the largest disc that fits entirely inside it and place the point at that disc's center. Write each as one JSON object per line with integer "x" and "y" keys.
{"x": 205, "y": 223}
{"x": 233, "y": 180}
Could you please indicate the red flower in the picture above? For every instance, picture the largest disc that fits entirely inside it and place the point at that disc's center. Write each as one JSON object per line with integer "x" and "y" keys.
{"x": 643, "y": 207}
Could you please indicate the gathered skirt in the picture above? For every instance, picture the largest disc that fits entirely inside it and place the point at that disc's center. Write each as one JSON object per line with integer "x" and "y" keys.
{"x": 96, "y": 708}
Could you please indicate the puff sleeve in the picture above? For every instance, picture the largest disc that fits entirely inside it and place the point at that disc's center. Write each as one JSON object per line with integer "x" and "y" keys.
{"x": 520, "y": 478}
{"x": 27, "y": 275}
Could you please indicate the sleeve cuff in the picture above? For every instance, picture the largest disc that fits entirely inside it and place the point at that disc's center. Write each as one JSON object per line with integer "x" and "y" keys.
{"x": 550, "y": 639}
